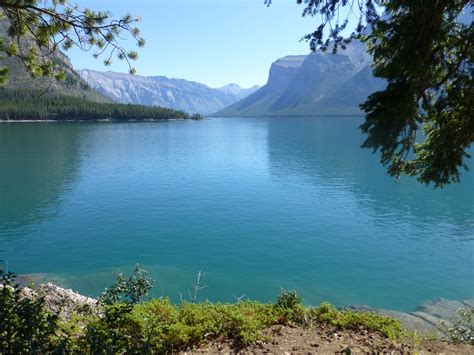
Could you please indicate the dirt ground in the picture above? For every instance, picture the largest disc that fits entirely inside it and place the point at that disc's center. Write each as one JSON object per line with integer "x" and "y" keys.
{"x": 327, "y": 340}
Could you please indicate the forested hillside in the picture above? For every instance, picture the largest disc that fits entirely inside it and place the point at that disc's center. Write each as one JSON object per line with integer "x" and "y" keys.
{"x": 45, "y": 98}
{"x": 21, "y": 104}
{"x": 19, "y": 79}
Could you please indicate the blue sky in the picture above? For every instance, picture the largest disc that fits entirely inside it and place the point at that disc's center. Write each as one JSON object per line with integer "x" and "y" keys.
{"x": 215, "y": 42}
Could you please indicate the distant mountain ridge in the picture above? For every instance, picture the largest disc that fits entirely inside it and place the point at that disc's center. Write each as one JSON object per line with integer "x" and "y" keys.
{"x": 236, "y": 90}
{"x": 177, "y": 94}
{"x": 311, "y": 85}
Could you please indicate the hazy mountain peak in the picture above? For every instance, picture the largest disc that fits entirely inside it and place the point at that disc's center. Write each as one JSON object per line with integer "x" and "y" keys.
{"x": 320, "y": 83}
{"x": 231, "y": 86}
{"x": 237, "y": 90}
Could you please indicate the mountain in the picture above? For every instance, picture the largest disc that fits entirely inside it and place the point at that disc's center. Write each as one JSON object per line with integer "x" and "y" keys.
{"x": 73, "y": 85}
{"x": 177, "y": 94}
{"x": 316, "y": 84}
{"x": 237, "y": 91}
{"x": 19, "y": 79}
{"x": 25, "y": 98}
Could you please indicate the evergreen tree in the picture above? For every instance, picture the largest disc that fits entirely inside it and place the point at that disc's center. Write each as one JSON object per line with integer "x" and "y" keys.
{"x": 37, "y": 29}
{"x": 423, "y": 122}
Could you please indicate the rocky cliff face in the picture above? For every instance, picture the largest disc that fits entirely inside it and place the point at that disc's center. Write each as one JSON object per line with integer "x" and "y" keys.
{"x": 283, "y": 71}
{"x": 317, "y": 84}
{"x": 162, "y": 91}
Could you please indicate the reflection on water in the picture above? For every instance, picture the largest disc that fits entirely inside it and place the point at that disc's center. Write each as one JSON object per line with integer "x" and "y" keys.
{"x": 258, "y": 204}
{"x": 38, "y": 163}
{"x": 326, "y": 154}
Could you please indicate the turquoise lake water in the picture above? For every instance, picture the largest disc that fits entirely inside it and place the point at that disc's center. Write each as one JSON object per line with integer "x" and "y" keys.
{"x": 258, "y": 204}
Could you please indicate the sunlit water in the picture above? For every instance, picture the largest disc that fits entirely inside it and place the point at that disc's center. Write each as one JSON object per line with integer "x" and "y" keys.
{"x": 258, "y": 204}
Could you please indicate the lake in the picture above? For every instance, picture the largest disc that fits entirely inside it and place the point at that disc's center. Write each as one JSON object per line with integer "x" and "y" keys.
{"x": 259, "y": 204}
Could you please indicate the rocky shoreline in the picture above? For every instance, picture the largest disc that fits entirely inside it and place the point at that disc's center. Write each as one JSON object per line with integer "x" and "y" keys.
{"x": 428, "y": 316}
{"x": 60, "y": 301}
{"x": 426, "y": 320}
{"x": 293, "y": 338}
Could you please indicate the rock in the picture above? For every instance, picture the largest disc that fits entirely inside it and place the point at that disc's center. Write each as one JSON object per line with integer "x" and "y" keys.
{"x": 428, "y": 316}
{"x": 65, "y": 301}
{"x": 60, "y": 301}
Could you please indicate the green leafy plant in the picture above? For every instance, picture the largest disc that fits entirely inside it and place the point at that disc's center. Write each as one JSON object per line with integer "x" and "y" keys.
{"x": 348, "y": 319}
{"x": 124, "y": 324}
{"x": 289, "y": 299}
{"x": 187, "y": 324}
{"x": 37, "y": 30}
{"x": 422, "y": 121}
{"x": 130, "y": 290}
{"x": 115, "y": 332}
{"x": 25, "y": 325}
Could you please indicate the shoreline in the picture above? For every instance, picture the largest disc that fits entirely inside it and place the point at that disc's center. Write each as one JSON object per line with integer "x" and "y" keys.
{"x": 425, "y": 319}
{"x": 99, "y": 121}
{"x": 239, "y": 327}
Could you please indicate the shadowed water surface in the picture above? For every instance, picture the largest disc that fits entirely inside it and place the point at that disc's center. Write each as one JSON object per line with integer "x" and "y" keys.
{"x": 258, "y": 204}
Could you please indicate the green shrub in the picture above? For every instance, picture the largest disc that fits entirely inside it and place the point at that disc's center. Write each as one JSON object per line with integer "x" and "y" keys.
{"x": 347, "y": 319}
{"x": 188, "y": 324}
{"x": 289, "y": 300}
{"x": 115, "y": 332}
{"x": 25, "y": 325}
{"x": 125, "y": 325}
{"x": 130, "y": 290}
{"x": 290, "y": 308}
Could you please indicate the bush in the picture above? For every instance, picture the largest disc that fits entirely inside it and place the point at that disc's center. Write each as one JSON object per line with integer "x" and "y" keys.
{"x": 25, "y": 325}
{"x": 130, "y": 290}
{"x": 188, "y": 324}
{"x": 289, "y": 300}
{"x": 347, "y": 319}
{"x": 158, "y": 326}
{"x": 115, "y": 332}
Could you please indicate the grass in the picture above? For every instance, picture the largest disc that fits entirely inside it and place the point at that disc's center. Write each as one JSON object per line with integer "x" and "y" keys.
{"x": 347, "y": 319}
{"x": 122, "y": 324}
{"x": 178, "y": 326}
{"x": 161, "y": 326}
